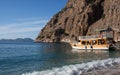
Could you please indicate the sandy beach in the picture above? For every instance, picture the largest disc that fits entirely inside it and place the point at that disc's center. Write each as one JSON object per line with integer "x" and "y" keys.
{"x": 114, "y": 70}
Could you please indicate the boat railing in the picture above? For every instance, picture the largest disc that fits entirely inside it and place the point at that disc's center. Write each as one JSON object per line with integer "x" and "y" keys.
{"x": 96, "y": 36}
{"x": 88, "y": 37}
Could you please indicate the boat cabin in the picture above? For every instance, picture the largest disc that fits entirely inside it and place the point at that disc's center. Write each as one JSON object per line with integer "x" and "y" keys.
{"x": 92, "y": 40}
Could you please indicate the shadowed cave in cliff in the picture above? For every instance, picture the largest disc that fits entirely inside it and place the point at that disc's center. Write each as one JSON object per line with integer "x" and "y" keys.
{"x": 97, "y": 14}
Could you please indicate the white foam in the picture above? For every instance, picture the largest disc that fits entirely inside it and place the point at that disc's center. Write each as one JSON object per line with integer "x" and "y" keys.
{"x": 78, "y": 69}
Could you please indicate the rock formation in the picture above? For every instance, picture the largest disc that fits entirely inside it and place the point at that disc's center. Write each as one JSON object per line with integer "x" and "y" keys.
{"x": 81, "y": 17}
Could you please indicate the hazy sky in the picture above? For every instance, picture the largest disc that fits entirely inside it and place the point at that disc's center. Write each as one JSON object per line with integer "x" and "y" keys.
{"x": 25, "y": 18}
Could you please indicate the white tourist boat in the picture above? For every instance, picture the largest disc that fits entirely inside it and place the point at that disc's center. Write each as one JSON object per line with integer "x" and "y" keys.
{"x": 103, "y": 41}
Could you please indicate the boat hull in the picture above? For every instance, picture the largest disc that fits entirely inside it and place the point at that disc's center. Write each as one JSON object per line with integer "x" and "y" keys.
{"x": 89, "y": 47}
{"x": 94, "y": 48}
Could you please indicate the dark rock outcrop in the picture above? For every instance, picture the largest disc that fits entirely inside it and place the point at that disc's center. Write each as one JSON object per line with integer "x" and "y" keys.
{"x": 81, "y": 17}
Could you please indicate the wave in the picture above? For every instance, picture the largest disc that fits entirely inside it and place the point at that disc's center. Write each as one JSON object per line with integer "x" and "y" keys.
{"x": 78, "y": 69}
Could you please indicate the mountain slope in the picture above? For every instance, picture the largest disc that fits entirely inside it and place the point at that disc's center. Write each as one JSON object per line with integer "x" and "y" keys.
{"x": 81, "y": 17}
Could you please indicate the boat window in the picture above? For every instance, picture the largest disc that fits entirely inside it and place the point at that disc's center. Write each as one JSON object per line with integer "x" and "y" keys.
{"x": 101, "y": 41}
{"x": 83, "y": 43}
{"x": 94, "y": 42}
{"x": 88, "y": 43}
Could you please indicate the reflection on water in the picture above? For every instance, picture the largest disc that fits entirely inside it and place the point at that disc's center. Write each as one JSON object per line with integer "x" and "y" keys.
{"x": 96, "y": 54}
{"x": 113, "y": 54}
{"x": 63, "y": 54}
{"x": 91, "y": 55}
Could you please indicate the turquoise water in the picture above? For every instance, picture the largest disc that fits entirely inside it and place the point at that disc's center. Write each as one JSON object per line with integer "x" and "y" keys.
{"x": 17, "y": 59}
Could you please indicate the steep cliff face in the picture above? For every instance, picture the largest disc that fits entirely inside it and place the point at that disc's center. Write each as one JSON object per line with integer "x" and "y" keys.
{"x": 81, "y": 17}
{"x": 110, "y": 17}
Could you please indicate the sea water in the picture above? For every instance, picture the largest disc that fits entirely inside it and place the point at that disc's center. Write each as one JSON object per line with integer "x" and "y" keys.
{"x": 51, "y": 59}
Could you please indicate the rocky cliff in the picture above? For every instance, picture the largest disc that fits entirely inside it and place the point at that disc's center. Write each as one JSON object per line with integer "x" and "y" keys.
{"x": 81, "y": 17}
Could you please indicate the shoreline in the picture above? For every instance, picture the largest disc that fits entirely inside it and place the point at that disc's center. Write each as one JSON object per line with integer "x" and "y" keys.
{"x": 109, "y": 66}
{"x": 113, "y": 70}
